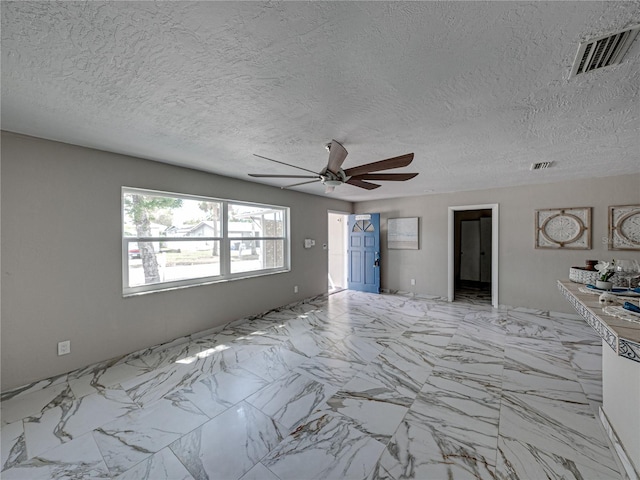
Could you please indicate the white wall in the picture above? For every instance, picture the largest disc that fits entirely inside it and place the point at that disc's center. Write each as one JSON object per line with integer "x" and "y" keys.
{"x": 621, "y": 400}
{"x": 61, "y": 250}
{"x": 527, "y": 275}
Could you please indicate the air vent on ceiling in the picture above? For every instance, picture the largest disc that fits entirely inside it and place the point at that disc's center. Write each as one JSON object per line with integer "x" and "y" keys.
{"x": 603, "y": 51}
{"x": 540, "y": 165}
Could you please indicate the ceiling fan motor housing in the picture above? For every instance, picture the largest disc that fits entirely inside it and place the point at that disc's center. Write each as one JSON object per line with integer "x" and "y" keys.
{"x": 333, "y": 180}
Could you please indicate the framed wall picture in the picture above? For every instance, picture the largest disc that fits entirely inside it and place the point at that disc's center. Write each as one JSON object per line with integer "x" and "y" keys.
{"x": 624, "y": 227}
{"x": 568, "y": 228}
{"x": 402, "y": 233}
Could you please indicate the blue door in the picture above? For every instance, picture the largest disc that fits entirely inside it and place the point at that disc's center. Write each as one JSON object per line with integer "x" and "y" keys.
{"x": 364, "y": 252}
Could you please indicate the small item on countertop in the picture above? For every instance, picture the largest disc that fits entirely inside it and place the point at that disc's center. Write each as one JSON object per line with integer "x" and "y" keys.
{"x": 607, "y": 299}
{"x": 591, "y": 265}
{"x": 631, "y": 307}
{"x": 616, "y": 290}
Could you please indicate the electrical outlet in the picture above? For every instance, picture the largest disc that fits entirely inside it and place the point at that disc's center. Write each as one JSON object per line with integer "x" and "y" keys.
{"x": 295, "y": 289}
{"x": 64, "y": 348}
{"x": 413, "y": 281}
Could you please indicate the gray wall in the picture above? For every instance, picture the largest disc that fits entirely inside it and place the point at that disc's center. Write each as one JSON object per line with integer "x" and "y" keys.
{"x": 61, "y": 266}
{"x": 527, "y": 275}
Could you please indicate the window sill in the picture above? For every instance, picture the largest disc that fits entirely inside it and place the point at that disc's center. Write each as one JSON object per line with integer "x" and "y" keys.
{"x": 245, "y": 276}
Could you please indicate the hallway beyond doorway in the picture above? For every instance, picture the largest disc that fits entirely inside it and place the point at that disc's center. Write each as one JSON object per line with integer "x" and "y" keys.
{"x": 337, "y": 254}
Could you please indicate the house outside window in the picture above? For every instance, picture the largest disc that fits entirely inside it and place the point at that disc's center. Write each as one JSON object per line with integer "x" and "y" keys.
{"x": 172, "y": 240}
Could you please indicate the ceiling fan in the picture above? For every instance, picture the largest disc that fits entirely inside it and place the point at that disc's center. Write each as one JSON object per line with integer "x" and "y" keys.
{"x": 333, "y": 175}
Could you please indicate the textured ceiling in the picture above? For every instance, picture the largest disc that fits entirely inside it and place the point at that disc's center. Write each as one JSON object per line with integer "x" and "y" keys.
{"x": 478, "y": 90}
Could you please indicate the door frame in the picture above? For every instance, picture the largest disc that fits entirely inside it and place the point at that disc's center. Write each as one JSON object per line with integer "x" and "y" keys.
{"x": 495, "y": 229}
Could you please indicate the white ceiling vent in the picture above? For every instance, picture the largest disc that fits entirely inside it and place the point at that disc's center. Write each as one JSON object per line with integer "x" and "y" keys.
{"x": 540, "y": 165}
{"x": 603, "y": 51}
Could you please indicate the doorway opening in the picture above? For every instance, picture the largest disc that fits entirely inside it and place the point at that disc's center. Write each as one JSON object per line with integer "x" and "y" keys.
{"x": 473, "y": 254}
{"x": 337, "y": 246}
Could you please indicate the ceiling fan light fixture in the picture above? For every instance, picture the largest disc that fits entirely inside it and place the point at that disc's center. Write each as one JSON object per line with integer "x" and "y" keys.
{"x": 333, "y": 183}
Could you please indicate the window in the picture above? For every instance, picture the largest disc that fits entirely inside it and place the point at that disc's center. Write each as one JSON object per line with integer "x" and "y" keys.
{"x": 171, "y": 240}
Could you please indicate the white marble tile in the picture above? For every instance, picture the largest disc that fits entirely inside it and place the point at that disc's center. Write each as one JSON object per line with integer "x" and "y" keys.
{"x": 586, "y": 360}
{"x": 430, "y": 334}
{"x": 570, "y": 330}
{"x": 486, "y": 325}
{"x": 259, "y": 472}
{"x": 332, "y": 371}
{"x": 106, "y": 375}
{"x": 405, "y": 362}
{"x": 150, "y": 387}
{"x": 12, "y": 445}
{"x": 259, "y": 326}
{"x": 352, "y": 319}
{"x": 542, "y": 373}
{"x": 315, "y": 318}
{"x": 481, "y": 358}
{"x": 326, "y": 446}
{"x": 290, "y": 326}
{"x": 292, "y": 398}
{"x": 129, "y": 440}
{"x": 445, "y": 315}
{"x": 77, "y": 459}
{"x": 369, "y": 387}
{"x": 354, "y": 349}
{"x": 379, "y": 473}
{"x": 163, "y": 465}
{"x": 309, "y": 343}
{"x": 229, "y": 445}
{"x": 273, "y": 363}
{"x": 460, "y": 418}
{"x": 524, "y": 324}
{"x": 567, "y": 429}
{"x": 376, "y": 410}
{"x": 257, "y": 338}
{"x": 585, "y": 357}
{"x": 32, "y": 402}
{"x": 519, "y": 460}
{"x": 179, "y": 349}
{"x": 147, "y": 389}
{"x": 388, "y": 370}
{"x": 71, "y": 418}
{"x": 380, "y": 329}
{"x": 420, "y": 450}
{"x": 215, "y": 394}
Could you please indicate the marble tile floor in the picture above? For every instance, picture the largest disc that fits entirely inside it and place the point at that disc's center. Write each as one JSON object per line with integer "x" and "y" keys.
{"x": 346, "y": 386}
{"x": 473, "y": 294}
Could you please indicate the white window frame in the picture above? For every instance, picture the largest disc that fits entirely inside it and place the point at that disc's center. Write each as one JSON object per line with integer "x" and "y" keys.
{"x": 224, "y": 239}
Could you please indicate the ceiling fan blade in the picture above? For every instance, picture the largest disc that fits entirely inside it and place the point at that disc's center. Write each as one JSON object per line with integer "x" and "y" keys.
{"x": 329, "y": 189}
{"x": 389, "y": 163}
{"x": 337, "y": 154}
{"x": 259, "y": 175}
{"x": 362, "y": 184}
{"x": 298, "y": 184}
{"x": 394, "y": 177}
{"x": 282, "y": 163}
